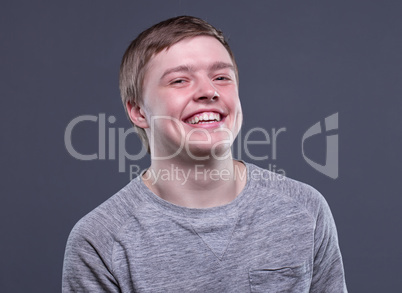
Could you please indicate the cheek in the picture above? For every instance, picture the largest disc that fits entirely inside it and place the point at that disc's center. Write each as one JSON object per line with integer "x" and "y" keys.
{"x": 169, "y": 102}
{"x": 234, "y": 102}
{"x": 238, "y": 117}
{"x": 240, "y": 110}
{"x": 167, "y": 130}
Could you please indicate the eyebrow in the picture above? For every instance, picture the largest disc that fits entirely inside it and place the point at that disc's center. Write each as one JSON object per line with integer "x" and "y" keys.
{"x": 187, "y": 68}
{"x": 181, "y": 68}
{"x": 221, "y": 65}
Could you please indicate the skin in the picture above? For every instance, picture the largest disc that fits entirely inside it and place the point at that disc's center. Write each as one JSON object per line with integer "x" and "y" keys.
{"x": 192, "y": 77}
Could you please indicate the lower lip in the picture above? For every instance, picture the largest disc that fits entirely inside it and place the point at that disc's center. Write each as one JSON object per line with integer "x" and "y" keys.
{"x": 207, "y": 125}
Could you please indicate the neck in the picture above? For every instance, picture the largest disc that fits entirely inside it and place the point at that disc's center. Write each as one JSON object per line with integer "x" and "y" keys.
{"x": 196, "y": 184}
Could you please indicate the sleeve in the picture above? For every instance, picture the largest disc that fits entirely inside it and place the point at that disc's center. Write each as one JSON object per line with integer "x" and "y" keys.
{"x": 328, "y": 272}
{"x": 86, "y": 265}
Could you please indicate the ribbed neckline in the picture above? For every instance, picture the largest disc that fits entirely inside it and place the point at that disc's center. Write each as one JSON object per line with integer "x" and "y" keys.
{"x": 169, "y": 208}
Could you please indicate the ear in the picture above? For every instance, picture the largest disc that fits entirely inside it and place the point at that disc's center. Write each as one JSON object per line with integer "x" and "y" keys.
{"x": 137, "y": 115}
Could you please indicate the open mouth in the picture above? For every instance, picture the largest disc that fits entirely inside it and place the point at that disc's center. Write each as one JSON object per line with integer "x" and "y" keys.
{"x": 204, "y": 117}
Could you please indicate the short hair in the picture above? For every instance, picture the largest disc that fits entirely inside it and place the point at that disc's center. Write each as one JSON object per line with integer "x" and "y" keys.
{"x": 149, "y": 43}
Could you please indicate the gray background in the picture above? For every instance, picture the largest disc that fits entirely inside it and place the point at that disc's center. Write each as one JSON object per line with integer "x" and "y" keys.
{"x": 300, "y": 61}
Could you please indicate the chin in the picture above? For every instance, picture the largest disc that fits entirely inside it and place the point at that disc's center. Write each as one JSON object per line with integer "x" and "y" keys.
{"x": 208, "y": 152}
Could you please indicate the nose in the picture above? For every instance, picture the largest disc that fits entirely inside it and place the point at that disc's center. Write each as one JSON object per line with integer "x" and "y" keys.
{"x": 206, "y": 91}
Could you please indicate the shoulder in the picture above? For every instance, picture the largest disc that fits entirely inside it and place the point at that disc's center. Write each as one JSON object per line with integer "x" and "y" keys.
{"x": 100, "y": 226}
{"x": 88, "y": 258}
{"x": 286, "y": 189}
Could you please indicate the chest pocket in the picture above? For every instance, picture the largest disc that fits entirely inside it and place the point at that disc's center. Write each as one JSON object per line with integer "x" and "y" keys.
{"x": 284, "y": 279}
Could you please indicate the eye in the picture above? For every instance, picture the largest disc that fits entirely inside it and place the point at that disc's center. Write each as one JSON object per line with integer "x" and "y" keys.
{"x": 178, "y": 81}
{"x": 223, "y": 79}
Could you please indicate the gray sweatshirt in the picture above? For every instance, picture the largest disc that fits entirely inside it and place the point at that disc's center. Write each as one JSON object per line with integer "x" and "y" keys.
{"x": 278, "y": 235}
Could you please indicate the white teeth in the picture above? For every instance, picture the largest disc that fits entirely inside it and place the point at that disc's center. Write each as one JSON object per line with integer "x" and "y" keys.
{"x": 206, "y": 117}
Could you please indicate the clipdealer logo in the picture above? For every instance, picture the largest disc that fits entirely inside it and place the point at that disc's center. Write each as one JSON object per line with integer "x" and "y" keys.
{"x": 331, "y": 166}
{"x": 108, "y": 137}
{"x": 122, "y": 135}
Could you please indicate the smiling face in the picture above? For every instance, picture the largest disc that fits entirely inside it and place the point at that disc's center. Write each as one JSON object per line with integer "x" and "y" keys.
{"x": 191, "y": 104}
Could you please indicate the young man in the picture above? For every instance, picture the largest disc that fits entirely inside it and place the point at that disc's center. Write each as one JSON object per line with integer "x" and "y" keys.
{"x": 197, "y": 220}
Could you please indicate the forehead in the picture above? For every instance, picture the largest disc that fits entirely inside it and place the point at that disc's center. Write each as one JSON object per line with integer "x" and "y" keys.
{"x": 197, "y": 52}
